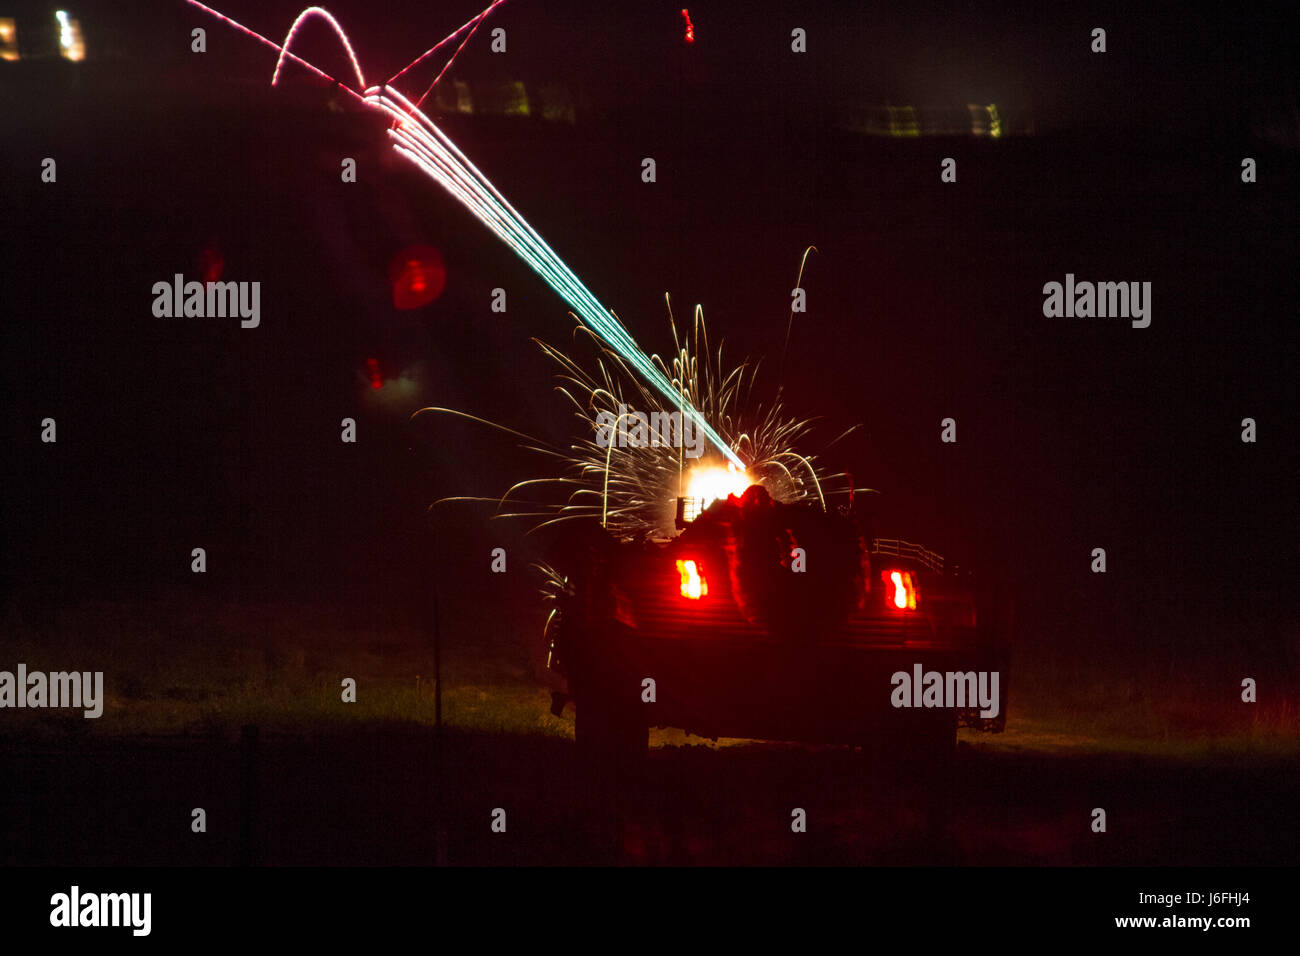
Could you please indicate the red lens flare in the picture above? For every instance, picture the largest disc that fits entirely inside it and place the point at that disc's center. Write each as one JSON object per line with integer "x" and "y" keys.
{"x": 418, "y": 276}
{"x": 212, "y": 264}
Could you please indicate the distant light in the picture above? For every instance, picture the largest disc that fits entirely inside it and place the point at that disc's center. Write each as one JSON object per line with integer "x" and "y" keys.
{"x": 516, "y": 99}
{"x": 212, "y": 264}
{"x": 903, "y": 121}
{"x": 418, "y": 276}
{"x": 8, "y": 39}
{"x": 985, "y": 120}
{"x": 464, "y": 97}
{"x": 372, "y": 367}
{"x": 690, "y": 28}
{"x": 71, "y": 46}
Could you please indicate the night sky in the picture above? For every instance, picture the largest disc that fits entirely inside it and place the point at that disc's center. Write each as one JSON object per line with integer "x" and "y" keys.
{"x": 924, "y": 298}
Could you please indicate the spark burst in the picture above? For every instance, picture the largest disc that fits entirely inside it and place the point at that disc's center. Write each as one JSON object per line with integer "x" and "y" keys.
{"x": 631, "y": 490}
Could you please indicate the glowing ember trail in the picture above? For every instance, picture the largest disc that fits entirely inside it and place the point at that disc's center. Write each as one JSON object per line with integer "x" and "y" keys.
{"x": 272, "y": 44}
{"x": 417, "y": 138}
{"x": 293, "y": 30}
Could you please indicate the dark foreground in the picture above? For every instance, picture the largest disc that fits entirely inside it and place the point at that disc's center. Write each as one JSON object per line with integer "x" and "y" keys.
{"x": 370, "y": 796}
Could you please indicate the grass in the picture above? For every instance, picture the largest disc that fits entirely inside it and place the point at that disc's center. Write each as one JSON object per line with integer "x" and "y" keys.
{"x": 209, "y": 669}
{"x": 1146, "y": 706}
{"x": 182, "y": 667}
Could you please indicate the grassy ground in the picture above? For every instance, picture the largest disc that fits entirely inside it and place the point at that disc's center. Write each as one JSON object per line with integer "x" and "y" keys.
{"x": 185, "y": 667}
{"x": 331, "y": 783}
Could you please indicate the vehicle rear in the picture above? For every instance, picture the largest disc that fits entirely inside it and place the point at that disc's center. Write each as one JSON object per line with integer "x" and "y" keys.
{"x": 772, "y": 621}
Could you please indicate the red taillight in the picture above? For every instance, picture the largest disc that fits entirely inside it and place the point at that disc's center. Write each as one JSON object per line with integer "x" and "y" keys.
{"x": 693, "y": 584}
{"x": 900, "y": 589}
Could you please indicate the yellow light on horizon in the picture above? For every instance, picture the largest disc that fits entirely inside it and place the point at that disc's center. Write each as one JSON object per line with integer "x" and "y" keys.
{"x": 8, "y": 39}
{"x": 71, "y": 45}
